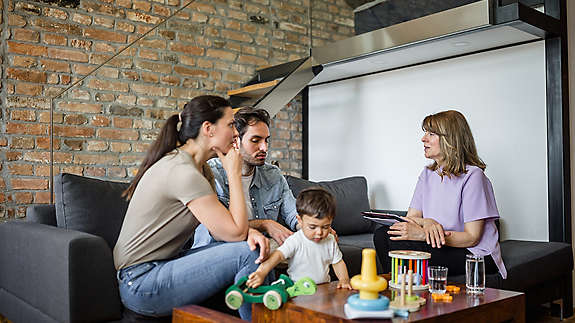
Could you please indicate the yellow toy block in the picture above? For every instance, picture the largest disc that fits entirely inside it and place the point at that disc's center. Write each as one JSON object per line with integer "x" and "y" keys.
{"x": 452, "y": 289}
{"x": 441, "y": 297}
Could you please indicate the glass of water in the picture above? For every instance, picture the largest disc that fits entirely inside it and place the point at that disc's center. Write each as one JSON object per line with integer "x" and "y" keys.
{"x": 437, "y": 279}
{"x": 474, "y": 274}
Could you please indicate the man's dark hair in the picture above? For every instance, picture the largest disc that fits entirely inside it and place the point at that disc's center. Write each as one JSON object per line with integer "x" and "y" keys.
{"x": 248, "y": 116}
{"x": 316, "y": 202}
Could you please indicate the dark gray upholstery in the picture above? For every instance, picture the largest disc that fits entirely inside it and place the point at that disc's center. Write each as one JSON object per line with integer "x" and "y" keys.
{"x": 544, "y": 261}
{"x": 90, "y": 205}
{"x": 351, "y": 246}
{"x": 63, "y": 275}
{"x": 41, "y": 213}
{"x": 350, "y": 197}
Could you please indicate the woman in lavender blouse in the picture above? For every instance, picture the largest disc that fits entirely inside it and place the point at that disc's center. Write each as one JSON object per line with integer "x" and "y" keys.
{"x": 453, "y": 209}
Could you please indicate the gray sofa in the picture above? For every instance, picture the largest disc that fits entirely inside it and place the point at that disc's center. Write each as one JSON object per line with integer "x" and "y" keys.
{"x": 57, "y": 266}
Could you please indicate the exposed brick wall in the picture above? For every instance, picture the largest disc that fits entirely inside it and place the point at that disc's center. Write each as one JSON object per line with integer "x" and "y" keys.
{"x": 104, "y": 125}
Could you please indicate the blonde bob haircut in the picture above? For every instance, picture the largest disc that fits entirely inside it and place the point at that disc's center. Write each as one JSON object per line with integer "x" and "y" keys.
{"x": 455, "y": 142}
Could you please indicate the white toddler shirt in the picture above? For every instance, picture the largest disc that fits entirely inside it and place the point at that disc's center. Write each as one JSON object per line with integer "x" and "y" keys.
{"x": 307, "y": 258}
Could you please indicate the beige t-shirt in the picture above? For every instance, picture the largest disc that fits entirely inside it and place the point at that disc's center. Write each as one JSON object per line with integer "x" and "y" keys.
{"x": 157, "y": 222}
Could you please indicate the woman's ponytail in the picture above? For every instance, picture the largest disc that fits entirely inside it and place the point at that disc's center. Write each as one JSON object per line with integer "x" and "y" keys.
{"x": 198, "y": 110}
{"x": 167, "y": 141}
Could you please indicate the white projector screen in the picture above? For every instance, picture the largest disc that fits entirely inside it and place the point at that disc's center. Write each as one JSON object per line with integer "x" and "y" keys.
{"x": 371, "y": 126}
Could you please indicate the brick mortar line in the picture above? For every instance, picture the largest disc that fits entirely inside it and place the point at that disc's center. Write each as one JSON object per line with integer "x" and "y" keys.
{"x": 125, "y": 48}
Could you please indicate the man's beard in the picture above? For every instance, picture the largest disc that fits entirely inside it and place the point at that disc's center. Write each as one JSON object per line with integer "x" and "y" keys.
{"x": 253, "y": 161}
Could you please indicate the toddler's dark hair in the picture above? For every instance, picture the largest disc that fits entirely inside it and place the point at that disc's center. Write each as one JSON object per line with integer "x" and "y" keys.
{"x": 316, "y": 202}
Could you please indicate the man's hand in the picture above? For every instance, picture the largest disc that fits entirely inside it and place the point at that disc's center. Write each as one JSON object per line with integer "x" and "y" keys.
{"x": 277, "y": 231}
{"x": 332, "y": 231}
{"x": 256, "y": 238}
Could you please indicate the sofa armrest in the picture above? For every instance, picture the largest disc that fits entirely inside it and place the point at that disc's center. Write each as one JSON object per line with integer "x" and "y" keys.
{"x": 41, "y": 213}
{"x": 67, "y": 275}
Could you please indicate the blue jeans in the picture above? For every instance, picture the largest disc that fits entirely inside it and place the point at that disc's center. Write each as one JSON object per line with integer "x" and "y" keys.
{"x": 154, "y": 288}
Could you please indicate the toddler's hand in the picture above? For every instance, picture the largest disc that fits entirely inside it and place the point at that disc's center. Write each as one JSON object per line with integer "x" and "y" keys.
{"x": 344, "y": 284}
{"x": 255, "y": 279}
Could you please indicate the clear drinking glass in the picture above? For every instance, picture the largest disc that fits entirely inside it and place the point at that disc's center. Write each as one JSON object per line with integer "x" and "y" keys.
{"x": 474, "y": 274}
{"x": 437, "y": 279}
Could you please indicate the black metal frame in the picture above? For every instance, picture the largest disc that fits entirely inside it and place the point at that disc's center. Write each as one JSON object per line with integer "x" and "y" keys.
{"x": 554, "y": 25}
{"x": 558, "y": 141}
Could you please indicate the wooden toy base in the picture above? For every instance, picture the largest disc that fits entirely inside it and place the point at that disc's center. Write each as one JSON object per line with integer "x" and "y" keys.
{"x": 411, "y": 305}
{"x": 414, "y": 287}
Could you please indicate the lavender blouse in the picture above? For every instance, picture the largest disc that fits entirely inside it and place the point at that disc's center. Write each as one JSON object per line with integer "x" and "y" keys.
{"x": 457, "y": 200}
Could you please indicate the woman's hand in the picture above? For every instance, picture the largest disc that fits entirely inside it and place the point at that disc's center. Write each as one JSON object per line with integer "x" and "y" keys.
{"x": 406, "y": 231}
{"x": 434, "y": 233}
{"x": 255, "y": 239}
{"x": 232, "y": 160}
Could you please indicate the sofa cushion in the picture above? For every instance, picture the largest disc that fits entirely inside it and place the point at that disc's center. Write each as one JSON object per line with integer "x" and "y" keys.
{"x": 41, "y": 213}
{"x": 351, "y": 199}
{"x": 363, "y": 240}
{"x": 90, "y": 205}
{"x": 531, "y": 263}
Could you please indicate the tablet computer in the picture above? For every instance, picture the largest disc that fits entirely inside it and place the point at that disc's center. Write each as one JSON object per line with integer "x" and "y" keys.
{"x": 382, "y": 218}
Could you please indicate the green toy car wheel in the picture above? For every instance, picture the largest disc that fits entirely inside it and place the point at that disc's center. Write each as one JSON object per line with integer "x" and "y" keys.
{"x": 272, "y": 300}
{"x": 234, "y": 299}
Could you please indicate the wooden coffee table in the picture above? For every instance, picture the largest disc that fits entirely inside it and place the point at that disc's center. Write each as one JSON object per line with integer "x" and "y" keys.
{"x": 327, "y": 306}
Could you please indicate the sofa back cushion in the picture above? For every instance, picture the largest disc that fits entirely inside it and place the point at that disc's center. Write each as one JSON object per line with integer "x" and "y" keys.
{"x": 90, "y": 205}
{"x": 350, "y": 197}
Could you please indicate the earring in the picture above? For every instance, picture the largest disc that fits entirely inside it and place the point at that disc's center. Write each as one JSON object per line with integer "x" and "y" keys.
{"x": 211, "y": 135}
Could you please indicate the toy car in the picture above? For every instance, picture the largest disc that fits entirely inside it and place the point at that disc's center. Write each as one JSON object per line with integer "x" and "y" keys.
{"x": 273, "y": 296}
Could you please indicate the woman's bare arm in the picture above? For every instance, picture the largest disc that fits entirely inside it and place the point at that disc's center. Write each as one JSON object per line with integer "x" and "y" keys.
{"x": 222, "y": 224}
{"x": 470, "y": 237}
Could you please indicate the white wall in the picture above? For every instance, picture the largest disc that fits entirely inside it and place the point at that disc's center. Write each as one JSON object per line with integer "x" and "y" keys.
{"x": 371, "y": 126}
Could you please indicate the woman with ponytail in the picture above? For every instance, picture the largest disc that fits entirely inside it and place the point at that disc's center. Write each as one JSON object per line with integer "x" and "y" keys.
{"x": 172, "y": 193}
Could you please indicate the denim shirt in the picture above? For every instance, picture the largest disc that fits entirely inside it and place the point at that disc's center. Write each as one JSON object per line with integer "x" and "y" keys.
{"x": 271, "y": 197}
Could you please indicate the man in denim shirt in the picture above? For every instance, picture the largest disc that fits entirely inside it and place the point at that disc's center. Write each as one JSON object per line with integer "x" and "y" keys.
{"x": 268, "y": 197}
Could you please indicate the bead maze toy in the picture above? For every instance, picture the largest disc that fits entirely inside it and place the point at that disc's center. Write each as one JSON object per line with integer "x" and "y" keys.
{"x": 273, "y": 296}
{"x": 407, "y": 302}
{"x": 404, "y": 260}
{"x": 368, "y": 303}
